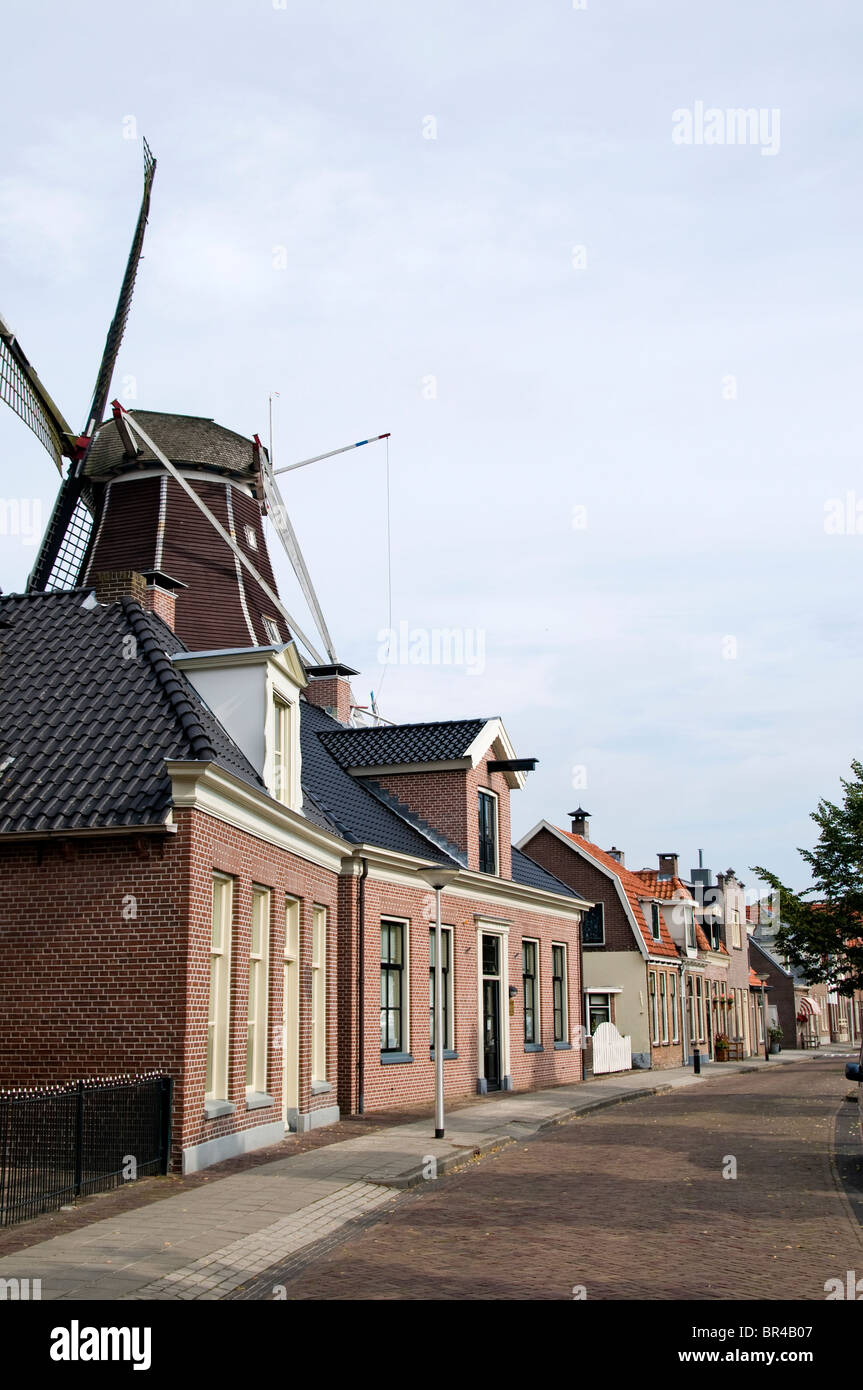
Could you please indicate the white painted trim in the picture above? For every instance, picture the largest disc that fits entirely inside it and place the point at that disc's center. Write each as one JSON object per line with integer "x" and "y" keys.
{"x": 397, "y": 769}
{"x": 160, "y": 525}
{"x": 217, "y": 793}
{"x": 485, "y": 927}
{"x": 135, "y": 474}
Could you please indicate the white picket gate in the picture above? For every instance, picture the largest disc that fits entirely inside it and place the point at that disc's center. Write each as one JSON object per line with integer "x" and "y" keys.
{"x": 611, "y": 1052}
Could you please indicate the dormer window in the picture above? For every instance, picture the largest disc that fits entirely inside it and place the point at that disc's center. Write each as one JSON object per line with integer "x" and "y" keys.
{"x": 689, "y": 924}
{"x": 487, "y": 832}
{"x": 281, "y": 749}
{"x": 655, "y": 922}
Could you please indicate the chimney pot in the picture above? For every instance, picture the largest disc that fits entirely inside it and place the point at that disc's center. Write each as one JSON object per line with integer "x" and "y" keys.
{"x": 618, "y": 855}
{"x": 580, "y": 822}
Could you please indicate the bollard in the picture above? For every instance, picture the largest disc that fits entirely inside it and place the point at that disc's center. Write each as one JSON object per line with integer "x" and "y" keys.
{"x": 696, "y": 1061}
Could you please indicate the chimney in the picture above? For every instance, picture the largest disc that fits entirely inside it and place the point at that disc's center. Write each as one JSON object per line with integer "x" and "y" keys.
{"x": 667, "y": 865}
{"x": 161, "y": 596}
{"x": 618, "y": 855}
{"x": 110, "y": 586}
{"x": 580, "y": 822}
{"x": 329, "y": 688}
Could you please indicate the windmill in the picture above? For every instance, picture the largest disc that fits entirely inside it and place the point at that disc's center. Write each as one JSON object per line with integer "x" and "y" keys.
{"x": 69, "y": 532}
{"x": 184, "y": 508}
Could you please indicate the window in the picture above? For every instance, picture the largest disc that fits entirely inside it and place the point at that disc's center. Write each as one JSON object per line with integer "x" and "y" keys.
{"x": 218, "y": 1038}
{"x": 735, "y": 928}
{"x": 446, "y": 956}
{"x": 272, "y": 630}
{"x": 655, "y": 923}
{"x": 689, "y": 923}
{"x": 654, "y": 1010}
{"x": 663, "y": 995}
{"x": 281, "y": 749}
{"x": 593, "y": 926}
{"x": 393, "y": 1031}
{"x": 598, "y": 1010}
{"x": 487, "y": 833}
{"x": 319, "y": 993}
{"x": 251, "y": 538}
{"x": 259, "y": 962}
{"x": 675, "y": 1021}
{"x": 291, "y": 1006}
{"x": 530, "y": 989}
{"x": 699, "y": 1005}
{"x": 559, "y": 992}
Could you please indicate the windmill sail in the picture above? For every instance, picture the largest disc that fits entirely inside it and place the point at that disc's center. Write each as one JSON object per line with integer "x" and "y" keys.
{"x": 67, "y": 537}
{"x": 22, "y": 390}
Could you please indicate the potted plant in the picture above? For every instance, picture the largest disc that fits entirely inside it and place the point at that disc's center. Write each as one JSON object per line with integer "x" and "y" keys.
{"x": 720, "y": 1047}
{"x": 775, "y": 1035}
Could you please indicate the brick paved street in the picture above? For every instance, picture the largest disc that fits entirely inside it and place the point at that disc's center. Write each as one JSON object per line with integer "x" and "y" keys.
{"x": 631, "y": 1203}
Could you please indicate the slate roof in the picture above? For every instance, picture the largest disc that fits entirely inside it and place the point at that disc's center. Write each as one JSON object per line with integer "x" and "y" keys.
{"x": 190, "y": 439}
{"x": 92, "y": 707}
{"x": 351, "y": 808}
{"x": 394, "y": 744}
{"x": 88, "y": 716}
{"x": 533, "y": 875}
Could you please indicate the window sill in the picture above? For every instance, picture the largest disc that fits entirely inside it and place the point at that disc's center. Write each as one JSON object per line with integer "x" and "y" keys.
{"x": 320, "y": 1088}
{"x": 214, "y": 1108}
{"x": 258, "y": 1100}
{"x": 563, "y": 1047}
{"x": 534, "y": 1047}
{"x": 449, "y": 1054}
{"x": 593, "y": 945}
{"x": 389, "y": 1059}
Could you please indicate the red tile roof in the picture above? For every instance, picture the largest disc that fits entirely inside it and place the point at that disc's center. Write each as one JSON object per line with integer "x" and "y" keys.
{"x": 634, "y": 890}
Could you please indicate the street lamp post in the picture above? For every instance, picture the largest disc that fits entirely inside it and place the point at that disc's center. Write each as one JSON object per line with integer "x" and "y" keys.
{"x": 438, "y": 879}
{"x": 764, "y": 979}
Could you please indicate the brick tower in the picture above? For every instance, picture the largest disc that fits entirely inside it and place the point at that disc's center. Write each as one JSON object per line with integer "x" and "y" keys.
{"x": 149, "y": 524}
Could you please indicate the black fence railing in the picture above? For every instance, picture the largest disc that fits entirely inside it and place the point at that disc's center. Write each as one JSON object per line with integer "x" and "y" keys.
{"x": 59, "y": 1143}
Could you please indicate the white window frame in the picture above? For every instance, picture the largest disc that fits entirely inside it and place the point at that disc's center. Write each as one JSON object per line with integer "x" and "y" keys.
{"x": 291, "y": 1007}
{"x": 736, "y": 939}
{"x": 449, "y": 991}
{"x": 258, "y": 1018}
{"x": 251, "y": 537}
{"x": 485, "y": 927}
{"x": 319, "y": 993}
{"x": 283, "y": 730}
{"x": 272, "y": 629}
{"x": 536, "y": 1040}
{"x": 218, "y": 1043}
{"x": 561, "y": 945}
{"x": 674, "y": 1007}
{"x": 405, "y": 1007}
{"x": 663, "y": 996}
{"x": 655, "y": 921}
{"x": 689, "y": 928}
{"x": 653, "y": 996}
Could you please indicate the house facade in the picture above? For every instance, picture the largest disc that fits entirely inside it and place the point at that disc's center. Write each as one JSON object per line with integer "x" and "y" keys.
{"x": 209, "y": 870}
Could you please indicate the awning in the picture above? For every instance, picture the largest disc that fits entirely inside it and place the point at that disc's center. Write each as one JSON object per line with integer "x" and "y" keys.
{"x": 808, "y": 1006}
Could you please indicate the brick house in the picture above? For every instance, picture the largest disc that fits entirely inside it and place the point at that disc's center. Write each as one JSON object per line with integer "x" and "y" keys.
{"x": 207, "y": 870}
{"x": 810, "y": 1015}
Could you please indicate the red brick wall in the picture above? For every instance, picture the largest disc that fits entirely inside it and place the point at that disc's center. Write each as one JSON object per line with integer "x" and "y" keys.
{"x": 447, "y": 801}
{"x": 250, "y": 861}
{"x": 388, "y": 1085}
{"x": 332, "y": 693}
{"x": 590, "y": 882}
{"x": 162, "y": 603}
{"x": 87, "y": 990}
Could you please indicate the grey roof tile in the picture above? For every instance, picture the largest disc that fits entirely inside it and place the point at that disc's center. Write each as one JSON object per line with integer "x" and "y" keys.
{"x": 390, "y": 745}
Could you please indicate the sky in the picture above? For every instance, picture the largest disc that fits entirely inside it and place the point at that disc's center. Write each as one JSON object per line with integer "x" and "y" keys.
{"x": 620, "y": 366}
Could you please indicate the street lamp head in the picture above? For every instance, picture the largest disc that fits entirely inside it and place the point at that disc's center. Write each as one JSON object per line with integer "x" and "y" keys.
{"x": 438, "y": 878}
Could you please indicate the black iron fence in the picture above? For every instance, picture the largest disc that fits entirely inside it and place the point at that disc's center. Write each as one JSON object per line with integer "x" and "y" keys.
{"x": 62, "y": 1142}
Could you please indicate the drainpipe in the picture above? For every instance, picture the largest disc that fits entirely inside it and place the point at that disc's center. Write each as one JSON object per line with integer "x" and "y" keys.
{"x": 361, "y": 988}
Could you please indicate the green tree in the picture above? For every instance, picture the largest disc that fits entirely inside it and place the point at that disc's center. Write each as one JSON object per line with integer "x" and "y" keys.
{"x": 821, "y": 929}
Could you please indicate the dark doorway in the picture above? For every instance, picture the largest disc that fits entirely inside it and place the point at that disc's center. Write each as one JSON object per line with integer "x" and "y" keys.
{"x": 491, "y": 1011}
